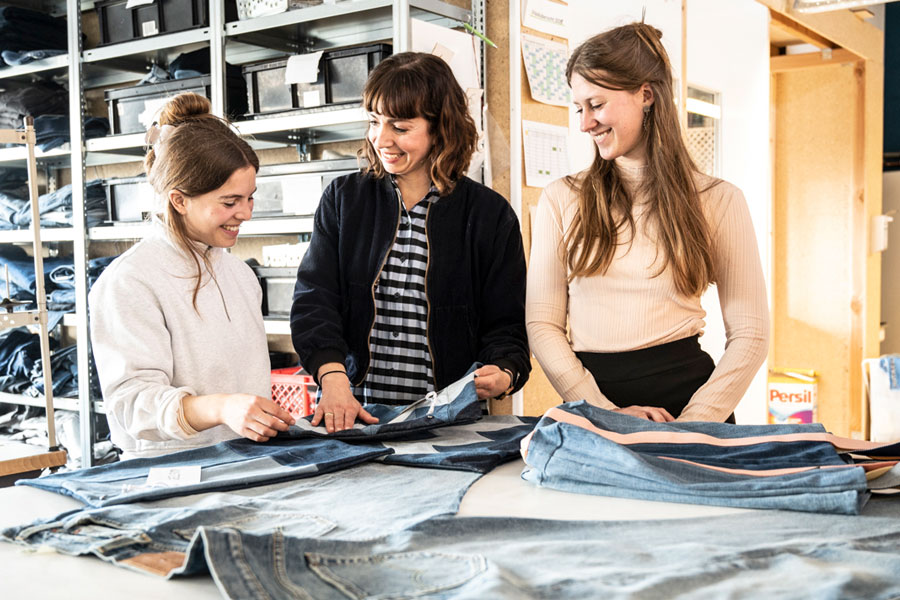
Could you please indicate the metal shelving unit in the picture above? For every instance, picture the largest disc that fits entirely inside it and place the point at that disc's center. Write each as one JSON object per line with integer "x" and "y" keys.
{"x": 19, "y": 459}
{"x": 237, "y": 42}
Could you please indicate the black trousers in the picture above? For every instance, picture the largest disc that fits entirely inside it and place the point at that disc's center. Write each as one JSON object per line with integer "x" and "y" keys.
{"x": 665, "y": 376}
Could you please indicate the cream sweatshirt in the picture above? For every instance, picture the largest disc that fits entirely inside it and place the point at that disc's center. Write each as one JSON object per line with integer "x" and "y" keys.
{"x": 627, "y": 308}
{"x": 152, "y": 348}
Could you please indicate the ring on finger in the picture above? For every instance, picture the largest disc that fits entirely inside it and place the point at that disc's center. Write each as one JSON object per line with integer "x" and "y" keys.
{"x": 329, "y": 414}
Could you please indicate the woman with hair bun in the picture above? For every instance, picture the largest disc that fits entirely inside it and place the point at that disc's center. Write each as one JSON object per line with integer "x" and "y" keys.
{"x": 414, "y": 271}
{"x": 622, "y": 251}
{"x": 176, "y": 325}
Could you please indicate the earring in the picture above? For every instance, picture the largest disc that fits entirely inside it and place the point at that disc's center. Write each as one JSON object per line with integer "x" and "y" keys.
{"x": 646, "y": 122}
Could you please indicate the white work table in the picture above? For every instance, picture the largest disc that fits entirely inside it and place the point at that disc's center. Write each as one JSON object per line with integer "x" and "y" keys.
{"x": 49, "y": 575}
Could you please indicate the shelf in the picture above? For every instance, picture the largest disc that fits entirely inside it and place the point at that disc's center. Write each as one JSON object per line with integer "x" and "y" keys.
{"x": 129, "y": 61}
{"x": 48, "y": 234}
{"x": 55, "y": 65}
{"x": 17, "y": 458}
{"x": 344, "y": 122}
{"x": 333, "y": 25}
{"x": 19, "y": 154}
{"x": 58, "y": 403}
{"x": 263, "y": 226}
{"x": 277, "y": 326}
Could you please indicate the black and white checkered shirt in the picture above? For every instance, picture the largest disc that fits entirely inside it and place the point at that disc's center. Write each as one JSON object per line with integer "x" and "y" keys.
{"x": 400, "y": 361}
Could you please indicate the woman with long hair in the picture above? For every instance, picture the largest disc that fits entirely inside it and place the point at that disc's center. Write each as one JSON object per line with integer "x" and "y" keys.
{"x": 622, "y": 252}
{"x": 414, "y": 271}
{"x": 176, "y": 322}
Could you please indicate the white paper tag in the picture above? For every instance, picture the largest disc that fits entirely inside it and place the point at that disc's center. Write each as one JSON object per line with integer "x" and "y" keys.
{"x": 312, "y": 98}
{"x": 149, "y": 28}
{"x": 302, "y": 68}
{"x": 173, "y": 476}
{"x": 134, "y": 3}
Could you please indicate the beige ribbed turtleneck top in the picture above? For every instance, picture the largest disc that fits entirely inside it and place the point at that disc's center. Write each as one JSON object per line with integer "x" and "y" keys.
{"x": 628, "y": 308}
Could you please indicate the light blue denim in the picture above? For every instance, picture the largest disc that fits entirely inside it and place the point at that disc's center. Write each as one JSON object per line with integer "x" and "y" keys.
{"x": 772, "y": 555}
{"x": 363, "y": 502}
{"x": 573, "y": 459}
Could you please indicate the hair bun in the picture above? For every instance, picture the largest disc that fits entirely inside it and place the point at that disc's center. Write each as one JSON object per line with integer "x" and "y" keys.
{"x": 184, "y": 107}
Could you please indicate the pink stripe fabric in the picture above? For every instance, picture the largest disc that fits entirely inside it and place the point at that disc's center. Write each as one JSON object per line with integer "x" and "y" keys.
{"x": 759, "y": 473}
{"x": 687, "y": 437}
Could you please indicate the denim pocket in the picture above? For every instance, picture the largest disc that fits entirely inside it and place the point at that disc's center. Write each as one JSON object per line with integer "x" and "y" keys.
{"x": 396, "y": 576}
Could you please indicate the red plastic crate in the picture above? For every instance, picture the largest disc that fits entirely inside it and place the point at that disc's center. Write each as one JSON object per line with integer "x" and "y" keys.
{"x": 294, "y": 392}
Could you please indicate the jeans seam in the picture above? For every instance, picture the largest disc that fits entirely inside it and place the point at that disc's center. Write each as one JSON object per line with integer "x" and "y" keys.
{"x": 278, "y": 561}
{"x": 235, "y": 543}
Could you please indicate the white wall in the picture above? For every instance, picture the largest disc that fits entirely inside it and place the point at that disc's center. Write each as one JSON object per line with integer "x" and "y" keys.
{"x": 728, "y": 52}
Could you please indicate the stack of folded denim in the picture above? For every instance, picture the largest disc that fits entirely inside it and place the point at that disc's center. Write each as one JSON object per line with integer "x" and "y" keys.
{"x": 19, "y": 349}
{"x": 22, "y": 29}
{"x": 55, "y": 207}
{"x": 59, "y": 278}
{"x": 52, "y": 131}
{"x": 35, "y": 99}
{"x": 578, "y": 447}
{"x": 64, "y": 373}
{"x": 62, "y": 283}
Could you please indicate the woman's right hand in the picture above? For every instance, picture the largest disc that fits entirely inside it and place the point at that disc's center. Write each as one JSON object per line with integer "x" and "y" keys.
{"x": 337, "y": 406}
{"x": 651, "y": 413}
{"x": 254, "y": 417}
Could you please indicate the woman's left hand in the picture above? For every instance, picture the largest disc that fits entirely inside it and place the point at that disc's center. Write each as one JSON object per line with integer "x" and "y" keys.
{"x": 491, "y": 381}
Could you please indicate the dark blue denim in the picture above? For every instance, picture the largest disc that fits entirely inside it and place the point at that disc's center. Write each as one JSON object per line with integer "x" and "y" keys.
{"x": 230, "y": 465}
{"x": 478, "y": 447}
{"x": 241, "y": 463}
{"x": 572, "y": 458}
{"x": 456, "y": 404}
{"x": 363, "y": 502}
{"x": 52, "y": 131}
{"x": 758, "y": 555}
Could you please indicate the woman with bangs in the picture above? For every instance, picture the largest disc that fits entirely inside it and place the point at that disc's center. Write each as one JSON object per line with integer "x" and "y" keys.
{"x": 414, "y": 271}
{"x": 622, "y": 252}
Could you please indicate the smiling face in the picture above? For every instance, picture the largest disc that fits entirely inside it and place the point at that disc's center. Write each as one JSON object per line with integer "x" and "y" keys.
{"x": 614, "y": 119}
{"x": 214, "y": 218}
{"x": 402, "y": 145}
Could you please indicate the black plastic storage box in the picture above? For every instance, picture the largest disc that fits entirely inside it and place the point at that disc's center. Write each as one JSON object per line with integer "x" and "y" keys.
{"x": 129, "y": 199}
{"x": 126, "y": 105}
{"x": 118, "y": 23}
{"x": 342, "y": 75}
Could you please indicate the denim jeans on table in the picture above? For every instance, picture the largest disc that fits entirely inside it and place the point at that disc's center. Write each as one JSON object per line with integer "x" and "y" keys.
{"x": 774, "y": 554}
{"x": 363, "y": 502}
{"x": 241, "y": 463}
{"x": 457, "y": 403}
{"x": 580, "y": 448}
{"x": 234, "y": 464}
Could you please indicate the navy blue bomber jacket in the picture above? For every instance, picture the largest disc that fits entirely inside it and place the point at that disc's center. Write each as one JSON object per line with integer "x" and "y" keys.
{"x": 475, "y": 282}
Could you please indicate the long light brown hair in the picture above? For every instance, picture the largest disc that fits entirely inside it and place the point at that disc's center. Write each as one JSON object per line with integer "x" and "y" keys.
{"x": 416, "y": 84}
{"x": 625, "y": 58}
{"x": 201, "y": 153}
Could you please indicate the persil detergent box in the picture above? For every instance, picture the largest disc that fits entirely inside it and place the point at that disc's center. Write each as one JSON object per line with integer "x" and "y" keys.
{"x": 792, "y": 396}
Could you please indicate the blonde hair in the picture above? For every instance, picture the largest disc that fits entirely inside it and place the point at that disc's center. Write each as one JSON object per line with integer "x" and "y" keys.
{"x": 197, "y": 155}
{"x": 625, "y": 58}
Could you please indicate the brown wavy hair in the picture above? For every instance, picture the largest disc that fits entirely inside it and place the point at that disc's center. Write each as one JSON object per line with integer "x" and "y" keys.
{"x": 201, "y": 153}
{"x": 415, "y": 84}
{"x": 625, "y": 58}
